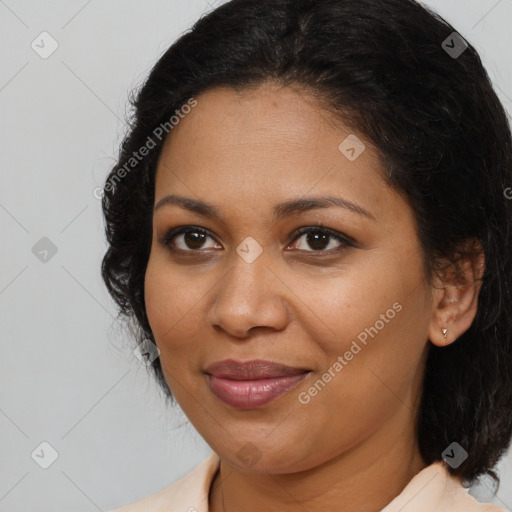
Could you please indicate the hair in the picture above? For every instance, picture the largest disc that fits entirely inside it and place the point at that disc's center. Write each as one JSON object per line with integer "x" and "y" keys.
{"x": 442, "y": 136}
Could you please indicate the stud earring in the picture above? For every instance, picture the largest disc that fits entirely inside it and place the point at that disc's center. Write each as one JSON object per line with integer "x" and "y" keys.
{"x": 444, "y": 330}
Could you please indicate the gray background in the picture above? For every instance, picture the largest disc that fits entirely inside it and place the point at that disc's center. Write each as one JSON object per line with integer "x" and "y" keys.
{"x": 68, "y": 373}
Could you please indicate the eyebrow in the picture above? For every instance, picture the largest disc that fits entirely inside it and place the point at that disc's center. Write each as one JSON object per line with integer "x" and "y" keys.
{"x": 281, "y": 210}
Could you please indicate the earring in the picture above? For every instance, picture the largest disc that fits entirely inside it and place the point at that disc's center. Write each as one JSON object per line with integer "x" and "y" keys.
{"x": 444, "y": 330}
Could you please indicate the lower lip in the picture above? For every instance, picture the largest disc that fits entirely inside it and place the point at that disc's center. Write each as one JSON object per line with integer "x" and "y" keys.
{"x": 247, "y": 394}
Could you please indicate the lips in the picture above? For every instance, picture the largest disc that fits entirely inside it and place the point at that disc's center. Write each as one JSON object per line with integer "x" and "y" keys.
{"x": 251, "y": 370}
{"x": 250, "y": 384}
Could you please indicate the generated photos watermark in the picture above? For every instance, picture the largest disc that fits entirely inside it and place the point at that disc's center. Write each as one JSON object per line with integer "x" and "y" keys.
{"x": 158, "y": 133}
{"x": 305, "y": 397}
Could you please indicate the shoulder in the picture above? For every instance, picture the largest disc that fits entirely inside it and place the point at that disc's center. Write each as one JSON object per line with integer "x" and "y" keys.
{"x": 435, "y": 489}
{"x": 189, "y": 494}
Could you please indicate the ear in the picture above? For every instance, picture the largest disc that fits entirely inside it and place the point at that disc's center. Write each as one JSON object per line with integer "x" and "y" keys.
{"x": 455, "y": 290}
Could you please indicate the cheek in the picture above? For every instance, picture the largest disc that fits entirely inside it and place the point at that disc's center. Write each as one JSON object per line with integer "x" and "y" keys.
{"x": 362, "y": 301}
{"x": 171, "y": 304}
{"x": 159, "y": 300}
{"x": 378, "y": 376}
{"x": 376, "y": 319}
{"x": 170, "y": 308}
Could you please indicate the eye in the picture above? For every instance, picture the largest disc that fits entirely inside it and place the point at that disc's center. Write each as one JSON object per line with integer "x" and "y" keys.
{"x": 322, "y": 240}
{"x": 186, "y": 239}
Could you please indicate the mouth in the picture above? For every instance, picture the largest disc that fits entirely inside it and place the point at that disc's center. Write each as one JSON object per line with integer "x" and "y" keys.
{"x": 250, "y": 384}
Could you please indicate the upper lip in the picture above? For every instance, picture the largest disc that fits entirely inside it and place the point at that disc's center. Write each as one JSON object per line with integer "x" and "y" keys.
{"x": 251, "y": 370}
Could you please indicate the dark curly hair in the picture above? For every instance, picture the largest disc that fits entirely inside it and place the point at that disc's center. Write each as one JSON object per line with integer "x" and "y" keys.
{"x": 383, "y": 67}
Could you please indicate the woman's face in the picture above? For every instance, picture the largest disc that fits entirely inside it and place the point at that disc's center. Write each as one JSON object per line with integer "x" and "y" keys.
{"x": 350, "y": 315}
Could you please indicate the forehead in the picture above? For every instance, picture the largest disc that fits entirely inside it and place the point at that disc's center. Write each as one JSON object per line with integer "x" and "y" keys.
{"x": 265, "y": 144}
{"x": 268, "y": 114}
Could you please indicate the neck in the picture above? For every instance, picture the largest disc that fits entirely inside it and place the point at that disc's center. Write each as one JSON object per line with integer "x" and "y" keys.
{"x": 365, "y": 478}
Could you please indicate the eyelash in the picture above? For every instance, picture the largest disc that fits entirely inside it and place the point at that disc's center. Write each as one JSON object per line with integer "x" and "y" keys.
{"x": 345, "y": 241}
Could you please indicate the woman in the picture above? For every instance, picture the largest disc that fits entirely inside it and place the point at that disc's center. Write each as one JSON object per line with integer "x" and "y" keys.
{"x": 309, "y": 220}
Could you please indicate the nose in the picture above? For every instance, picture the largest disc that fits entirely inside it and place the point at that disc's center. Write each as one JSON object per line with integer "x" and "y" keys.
{"x": 250, "y": 295}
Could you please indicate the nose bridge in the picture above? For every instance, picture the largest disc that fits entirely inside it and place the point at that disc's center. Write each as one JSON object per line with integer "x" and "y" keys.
{"x": 249, "y": 295}
{"x": 248, "y": 267}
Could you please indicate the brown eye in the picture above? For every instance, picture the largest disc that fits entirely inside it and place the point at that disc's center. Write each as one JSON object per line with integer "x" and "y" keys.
{"x": 194, "y": 239}
{"x": 321, "y": 240}
{"x": 187, "y": 238}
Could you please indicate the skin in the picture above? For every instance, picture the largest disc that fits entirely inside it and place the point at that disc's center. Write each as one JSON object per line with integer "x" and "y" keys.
{"x": 353, "y": 446}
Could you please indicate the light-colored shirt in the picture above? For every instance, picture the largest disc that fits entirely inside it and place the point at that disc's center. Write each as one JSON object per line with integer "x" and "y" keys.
{"x": 433, "y": 489}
